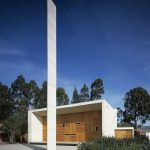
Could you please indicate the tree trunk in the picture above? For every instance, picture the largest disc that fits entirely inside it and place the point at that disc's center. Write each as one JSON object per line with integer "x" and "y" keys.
{"x": 11, "y": 138}
{"x": 21, "y": 138}
{"x": 136, "y": 123}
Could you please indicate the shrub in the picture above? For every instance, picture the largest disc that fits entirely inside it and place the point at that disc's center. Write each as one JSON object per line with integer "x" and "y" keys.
{"x": 108, "y": 143}
{"x": 141, "y": 139}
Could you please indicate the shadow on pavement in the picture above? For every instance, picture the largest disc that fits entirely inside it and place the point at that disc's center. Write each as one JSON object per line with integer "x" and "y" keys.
{"x": 34, "y": 147}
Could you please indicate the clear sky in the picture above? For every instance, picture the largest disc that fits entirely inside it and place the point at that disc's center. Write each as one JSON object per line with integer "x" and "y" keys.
{"x": 107, "y": 39}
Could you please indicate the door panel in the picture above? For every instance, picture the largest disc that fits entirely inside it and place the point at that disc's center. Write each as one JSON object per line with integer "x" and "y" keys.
{"x": 77, "y": 127}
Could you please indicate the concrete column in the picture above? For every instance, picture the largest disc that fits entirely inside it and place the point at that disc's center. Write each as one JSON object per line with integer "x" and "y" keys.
{"x": 51, "y": 96}
{"x": 35, "y": 128}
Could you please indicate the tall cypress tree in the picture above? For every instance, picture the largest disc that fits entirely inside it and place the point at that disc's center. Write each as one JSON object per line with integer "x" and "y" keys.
{"x": 75, "y": 96}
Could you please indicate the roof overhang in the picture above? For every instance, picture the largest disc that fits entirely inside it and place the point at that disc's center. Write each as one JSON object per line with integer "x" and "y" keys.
{"x": 40, "y": 112}
{"x": 73, "y": 108}
{"x": 80, "y": 107}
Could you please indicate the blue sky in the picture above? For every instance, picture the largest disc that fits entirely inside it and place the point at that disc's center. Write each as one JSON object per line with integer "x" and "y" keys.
{"x": 95, "y": 39}
{"x": 23, "y": 40}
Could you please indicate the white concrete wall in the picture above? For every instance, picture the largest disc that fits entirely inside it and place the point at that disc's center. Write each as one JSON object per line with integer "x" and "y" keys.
{"x": 148, "y": 135}
{"x": 109, "y": 119}
{"x": 51, "y": 97}
{"x": 35, "y": 128}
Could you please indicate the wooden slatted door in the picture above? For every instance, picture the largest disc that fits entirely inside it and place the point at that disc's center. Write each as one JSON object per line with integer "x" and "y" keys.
{"x": 67, "y": 129}
{"x": 76, "y": 127}
{"x": 63, "y": 128}
{"x": 44, "y": 129}
{"x": 73, "y": 134}
{"x": 80, "y": 126}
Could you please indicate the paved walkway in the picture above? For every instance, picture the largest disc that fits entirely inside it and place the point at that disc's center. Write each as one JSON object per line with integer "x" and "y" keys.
{"x": 33, "y": 147}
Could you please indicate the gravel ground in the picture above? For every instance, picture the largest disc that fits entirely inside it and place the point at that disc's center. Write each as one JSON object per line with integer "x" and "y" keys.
{"x": 33, "y": 147}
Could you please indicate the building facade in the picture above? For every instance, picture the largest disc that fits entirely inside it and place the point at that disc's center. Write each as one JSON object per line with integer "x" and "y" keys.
{"x": 75, "y": 122}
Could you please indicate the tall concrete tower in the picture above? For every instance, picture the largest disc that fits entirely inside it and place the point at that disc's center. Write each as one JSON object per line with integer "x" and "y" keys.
{"x": 51, "y": 96}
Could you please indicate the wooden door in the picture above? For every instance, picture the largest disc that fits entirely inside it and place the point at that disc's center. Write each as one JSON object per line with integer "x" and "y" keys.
{"x": 76, "y": 127}
{"x": 67, "y": 129}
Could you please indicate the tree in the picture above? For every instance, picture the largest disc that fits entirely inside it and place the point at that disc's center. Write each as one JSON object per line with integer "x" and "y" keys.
{"x": 23, "y": 94}
{"x": 124, "y": 124}
{"x": 137, "y": 104}
{"x": 119, "y": 115}
{"x": 41, "y": 100}
{"x": 15, "y": 103}
{"x": 62, "y": 97}
{"x": 97, "y": 89}
{"x": 13, "y": 126}
{"x": 32, "y": 91}
{"x": 120, "y": 119}
{"x": 6, "y": 103}
{"x": 84, "y": 93}
{"x": 75, "y": 97}
{"x": 20, "y": 95}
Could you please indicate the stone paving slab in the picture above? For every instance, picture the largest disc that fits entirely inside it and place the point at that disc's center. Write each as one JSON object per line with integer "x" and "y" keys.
{"x": 33, "y": 147}
{"x": 59, "y": 147}
{"x": 14, "y": 147}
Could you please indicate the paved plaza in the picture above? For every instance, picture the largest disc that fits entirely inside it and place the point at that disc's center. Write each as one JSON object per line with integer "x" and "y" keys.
{"x": 33, "y": 147}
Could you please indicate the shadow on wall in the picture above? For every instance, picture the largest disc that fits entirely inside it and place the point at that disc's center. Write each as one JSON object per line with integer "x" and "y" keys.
{"x": 34, "y": 147}
{"x": 39, "y": 118}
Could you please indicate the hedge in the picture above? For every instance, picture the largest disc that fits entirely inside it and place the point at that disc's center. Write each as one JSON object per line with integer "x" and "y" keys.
{"x": 109, "y": 143}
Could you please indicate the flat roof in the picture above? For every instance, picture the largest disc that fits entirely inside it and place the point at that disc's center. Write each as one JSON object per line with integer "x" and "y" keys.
{"x": 74, "y": 108}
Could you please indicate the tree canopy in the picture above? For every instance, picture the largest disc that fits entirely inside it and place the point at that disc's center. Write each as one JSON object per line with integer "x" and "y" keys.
{"x": 20, "y": 95}
{"x": 62, "y": 97}
{"x": 97, "y": 89}
{"x": 41, "y": 96}
{"x": 84, "y": 93}
{"x": 136, "y": 104}
{"x": 6, "y": 103}
{"x": 16, "y": 100}
{"x": 14, "y": 125}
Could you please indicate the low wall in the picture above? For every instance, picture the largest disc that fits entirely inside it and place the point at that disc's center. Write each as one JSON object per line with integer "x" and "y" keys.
{"x": 124, "y": 132}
